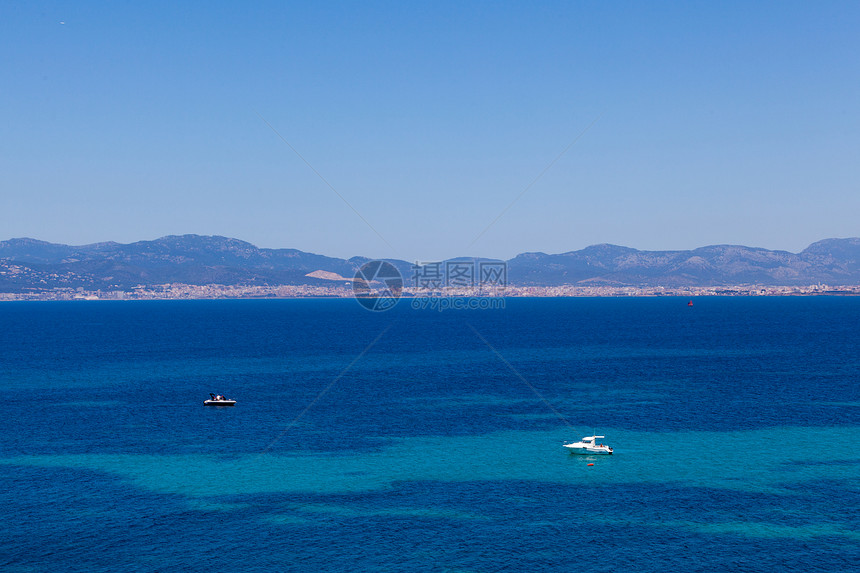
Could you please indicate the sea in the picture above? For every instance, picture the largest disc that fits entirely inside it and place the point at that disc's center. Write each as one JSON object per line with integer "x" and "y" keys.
{"x": 428, "y": 440}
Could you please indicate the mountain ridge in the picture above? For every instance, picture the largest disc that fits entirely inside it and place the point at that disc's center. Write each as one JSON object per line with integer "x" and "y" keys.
{"x": 27, "y": 264}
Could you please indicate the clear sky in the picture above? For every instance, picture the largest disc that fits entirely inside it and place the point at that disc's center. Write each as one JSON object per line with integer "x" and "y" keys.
{"x": 694, "y": 123}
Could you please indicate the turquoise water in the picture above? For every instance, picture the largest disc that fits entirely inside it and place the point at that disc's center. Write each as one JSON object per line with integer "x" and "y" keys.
{"x": 432, "y": 441}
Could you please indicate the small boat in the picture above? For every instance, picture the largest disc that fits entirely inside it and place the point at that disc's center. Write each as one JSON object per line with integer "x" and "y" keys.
{"x": 589, "y": 445}
{"x": 219, "y": 400}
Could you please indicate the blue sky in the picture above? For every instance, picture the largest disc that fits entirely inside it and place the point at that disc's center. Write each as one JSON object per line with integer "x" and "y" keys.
{"x": 694, "y": 123}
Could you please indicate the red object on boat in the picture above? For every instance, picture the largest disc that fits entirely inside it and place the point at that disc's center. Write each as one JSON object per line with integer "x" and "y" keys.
{"x": 690, "y": 303}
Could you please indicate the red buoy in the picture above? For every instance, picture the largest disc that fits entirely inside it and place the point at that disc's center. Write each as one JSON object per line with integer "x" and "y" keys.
{"x": 591, "y": 464}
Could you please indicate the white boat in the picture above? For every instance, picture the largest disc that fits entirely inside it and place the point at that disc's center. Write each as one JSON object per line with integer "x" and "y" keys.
{"x": 219, "y": 401}
{"x": 589, "y": 445}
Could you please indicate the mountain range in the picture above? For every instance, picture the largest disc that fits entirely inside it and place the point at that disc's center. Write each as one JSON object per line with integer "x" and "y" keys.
{"x": 27, "y": 264}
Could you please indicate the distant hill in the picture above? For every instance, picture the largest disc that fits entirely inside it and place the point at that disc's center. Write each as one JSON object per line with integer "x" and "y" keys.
{"x": 832, "y": 261}
{"x": 193, "y": 259}
{"x": 190, "y": 259}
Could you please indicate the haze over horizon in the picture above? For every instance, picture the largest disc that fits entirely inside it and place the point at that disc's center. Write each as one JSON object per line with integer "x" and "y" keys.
{"x": 433, "y": 131}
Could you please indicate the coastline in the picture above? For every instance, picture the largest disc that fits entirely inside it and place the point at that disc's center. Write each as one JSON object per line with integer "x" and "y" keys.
{"x": 179, "y": 291}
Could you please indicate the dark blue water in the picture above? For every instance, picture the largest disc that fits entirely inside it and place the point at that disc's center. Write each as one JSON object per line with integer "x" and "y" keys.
{"x": 420, "y": 440}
